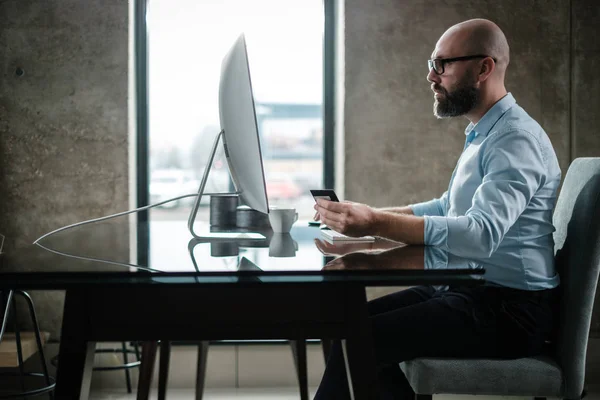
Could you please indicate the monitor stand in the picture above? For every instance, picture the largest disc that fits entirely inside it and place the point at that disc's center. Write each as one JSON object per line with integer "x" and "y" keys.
{"x": 243, "y": 265}
{"x": 215, "y": 236}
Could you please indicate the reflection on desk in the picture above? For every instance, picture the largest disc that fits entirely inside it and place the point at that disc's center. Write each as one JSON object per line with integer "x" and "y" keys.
{"x": 300, "y": 256}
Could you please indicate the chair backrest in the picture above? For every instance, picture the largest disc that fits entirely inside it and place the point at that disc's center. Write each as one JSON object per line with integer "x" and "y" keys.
{"x": 577, "y": 249}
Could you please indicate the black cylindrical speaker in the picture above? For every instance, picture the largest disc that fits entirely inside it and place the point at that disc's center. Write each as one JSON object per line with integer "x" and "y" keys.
{"x": 223, "y": 209}
{"x": 251, "y": 219}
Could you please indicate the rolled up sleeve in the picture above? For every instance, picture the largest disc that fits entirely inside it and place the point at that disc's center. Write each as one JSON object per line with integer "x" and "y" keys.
{"x": 431, "y": 207}
{"x": 513, "y": 168}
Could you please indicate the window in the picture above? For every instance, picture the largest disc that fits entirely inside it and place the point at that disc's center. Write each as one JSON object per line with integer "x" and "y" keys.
{"x": 186, "y": 42}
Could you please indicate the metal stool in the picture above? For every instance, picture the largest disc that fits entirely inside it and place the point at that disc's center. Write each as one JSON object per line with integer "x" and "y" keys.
{"x": 8, "y": 299}
{"x": 126, "y": 364}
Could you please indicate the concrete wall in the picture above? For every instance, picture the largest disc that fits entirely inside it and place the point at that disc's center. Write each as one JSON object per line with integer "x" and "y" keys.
{"x": 63, "y": 122}
{"x": 585, "y": 55}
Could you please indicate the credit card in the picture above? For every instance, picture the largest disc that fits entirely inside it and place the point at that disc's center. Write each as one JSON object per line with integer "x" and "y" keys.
{"x": 327, "y": 194}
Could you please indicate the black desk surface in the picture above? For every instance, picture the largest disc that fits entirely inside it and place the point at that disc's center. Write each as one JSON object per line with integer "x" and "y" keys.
{"x": 99, "y": 254}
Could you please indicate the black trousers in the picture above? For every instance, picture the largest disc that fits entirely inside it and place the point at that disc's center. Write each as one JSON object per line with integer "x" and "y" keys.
{"x": 483, "y": 321}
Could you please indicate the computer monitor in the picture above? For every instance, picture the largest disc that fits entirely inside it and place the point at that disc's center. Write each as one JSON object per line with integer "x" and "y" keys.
{"x": 239, "y": 132}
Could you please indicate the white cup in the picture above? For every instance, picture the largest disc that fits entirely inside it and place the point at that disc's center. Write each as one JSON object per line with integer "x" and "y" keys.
{"x": 282, "y": 219}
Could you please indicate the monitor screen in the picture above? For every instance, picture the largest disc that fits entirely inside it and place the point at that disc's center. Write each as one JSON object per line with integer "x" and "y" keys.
{"x": 240, "y": 129}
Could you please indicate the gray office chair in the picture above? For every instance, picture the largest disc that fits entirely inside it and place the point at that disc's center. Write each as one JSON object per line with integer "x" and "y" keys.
{"x": 577, "y": 250}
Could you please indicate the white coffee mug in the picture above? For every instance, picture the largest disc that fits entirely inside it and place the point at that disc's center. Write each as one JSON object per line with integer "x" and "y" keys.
{"x": 282, "y": 219}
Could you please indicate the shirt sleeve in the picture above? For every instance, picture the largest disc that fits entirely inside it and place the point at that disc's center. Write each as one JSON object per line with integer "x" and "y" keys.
{"x": 431, "y": 207}
{"x": 513, "y": 168}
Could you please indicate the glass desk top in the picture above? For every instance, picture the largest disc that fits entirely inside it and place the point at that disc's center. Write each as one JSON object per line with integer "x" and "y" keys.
{"x": 100, "y": 253}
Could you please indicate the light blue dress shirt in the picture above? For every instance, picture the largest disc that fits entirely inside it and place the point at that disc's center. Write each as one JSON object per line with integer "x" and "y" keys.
{"x": 500, "y": 199}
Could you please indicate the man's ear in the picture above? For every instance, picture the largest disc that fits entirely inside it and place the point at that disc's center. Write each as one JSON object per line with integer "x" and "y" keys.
{"x": 488, "y": 66}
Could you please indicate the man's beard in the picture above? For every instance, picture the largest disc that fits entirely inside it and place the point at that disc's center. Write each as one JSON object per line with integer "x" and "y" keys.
{"x": 458, "y": 102}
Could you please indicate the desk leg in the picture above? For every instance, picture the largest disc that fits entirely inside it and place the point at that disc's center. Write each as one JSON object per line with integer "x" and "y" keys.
{"x": 76, "y": 354}
{"x": 359, "y": 356}
{"x": 149, "y": 349}
{"x": 326, "y": 345}
{"x": 299, "y": 353}
{"x": 201, "y": 368}
{"x": 163, "y": 368}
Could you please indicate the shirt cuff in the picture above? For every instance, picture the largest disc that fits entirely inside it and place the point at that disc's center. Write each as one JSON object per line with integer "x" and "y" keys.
{"x": 436, "y": 231}
{"x": 430, "y": 207}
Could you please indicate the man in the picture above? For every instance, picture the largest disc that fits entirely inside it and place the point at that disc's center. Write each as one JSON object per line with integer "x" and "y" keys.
{"x": 499, "y": 201}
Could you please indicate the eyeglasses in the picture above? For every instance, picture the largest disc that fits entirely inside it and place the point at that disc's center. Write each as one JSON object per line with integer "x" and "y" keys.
{"x": 438, "y": 64}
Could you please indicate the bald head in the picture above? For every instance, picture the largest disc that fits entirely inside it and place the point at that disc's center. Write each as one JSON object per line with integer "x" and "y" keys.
{"x": 463, "y": 76}
{"x": 480, "y": 36}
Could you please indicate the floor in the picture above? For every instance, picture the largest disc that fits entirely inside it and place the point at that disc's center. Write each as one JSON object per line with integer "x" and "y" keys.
{"x": 212, "y": 394}
{"x": 284, "y": 394}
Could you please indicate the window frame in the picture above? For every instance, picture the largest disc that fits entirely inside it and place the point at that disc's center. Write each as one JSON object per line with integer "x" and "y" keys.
{"x": 142, "y": 114}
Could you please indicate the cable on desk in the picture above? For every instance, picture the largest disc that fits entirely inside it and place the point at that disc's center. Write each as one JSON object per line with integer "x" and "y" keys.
{"x": 115, "y": 215}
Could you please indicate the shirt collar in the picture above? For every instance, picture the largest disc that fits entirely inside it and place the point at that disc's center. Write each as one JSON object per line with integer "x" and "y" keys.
{"x": 486, "y": 123}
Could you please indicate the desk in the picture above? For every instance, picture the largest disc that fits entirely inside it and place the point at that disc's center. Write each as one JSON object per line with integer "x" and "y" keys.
{"x": 214, "y": 291}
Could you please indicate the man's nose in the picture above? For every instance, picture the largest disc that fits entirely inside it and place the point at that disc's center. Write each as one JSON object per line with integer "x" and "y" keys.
{"x": 433, "y": 77}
